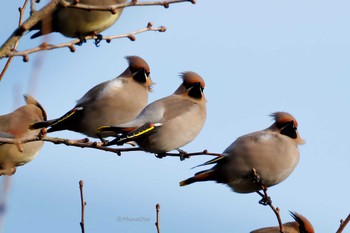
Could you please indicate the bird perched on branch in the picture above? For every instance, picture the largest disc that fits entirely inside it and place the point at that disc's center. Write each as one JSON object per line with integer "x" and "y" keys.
{"x": 112, "y": 102}
{"x": 15, "y": 125}
{"x": 78, "y": 23}
{"x": 272, "y": 154}
{"x": 168, "y": 123}
{"x": 301, "y": 225}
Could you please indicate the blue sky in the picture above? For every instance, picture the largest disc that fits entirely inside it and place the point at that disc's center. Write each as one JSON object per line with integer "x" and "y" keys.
{"x": 257, "y": 57}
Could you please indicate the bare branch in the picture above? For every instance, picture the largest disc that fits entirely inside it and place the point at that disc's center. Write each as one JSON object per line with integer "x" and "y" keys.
{"x": 188, "y": 155}
{"x": 266, "y": 199}
{"x": 29, "y": 23}
{"x": 32, "y": 6}
{"x": 343, "y": 224}
{"x": 82, "y": 143}
{"x": 6, "y": 49}
{"x": 4, "y": 199}
{"x": 83, "y": 204}
{"x": 114, "y": 7}
{"x": 85, "y": 143}
{"x": 70, "y": 44}
{"x": 157, "y": 218}
{"x": 21, "y": 12}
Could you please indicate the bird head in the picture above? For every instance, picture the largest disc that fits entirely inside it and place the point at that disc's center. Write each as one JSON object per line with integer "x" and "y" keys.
{"x": 140, "y": 71}
{"x": 192, "y": 84}
{"x": 287, "y": 125}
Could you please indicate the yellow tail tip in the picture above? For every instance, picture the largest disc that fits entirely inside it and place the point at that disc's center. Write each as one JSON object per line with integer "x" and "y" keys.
{"x": 102, "y": 128}
{"x": 183, "y": 183}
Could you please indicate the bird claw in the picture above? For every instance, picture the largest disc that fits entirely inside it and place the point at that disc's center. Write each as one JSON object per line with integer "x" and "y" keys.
{"x": 266, "y": 200}
{"x": 8, "y": 172}
{"x": 160, "y": 155}
{"x": 183, "y": 154}
{"x": 254, "y": 177}
{"x": 98, "y": 40}
{"x": 104, "y": 141}
{"x": 82, "y": 40}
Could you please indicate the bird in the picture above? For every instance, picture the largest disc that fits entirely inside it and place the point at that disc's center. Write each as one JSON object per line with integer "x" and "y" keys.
{"x": 168, "y": 123}
{"x": 15, "y": 125}
{"x": 300, "y": 225}
{"x": 112, "y": 102}
{"x": 78, "y": 23}
{"x": 268, "y": 156}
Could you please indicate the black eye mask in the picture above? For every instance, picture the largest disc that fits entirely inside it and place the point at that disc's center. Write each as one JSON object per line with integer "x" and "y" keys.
{"x": 288, "y": 129}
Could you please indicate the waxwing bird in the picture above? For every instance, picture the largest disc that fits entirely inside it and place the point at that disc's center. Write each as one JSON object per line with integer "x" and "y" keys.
{"x": 271, "y": 153}
{"x": 300, "y": 225}
{"x": 15, "y": 125}
{"x": 78, "y": 23}
{"x": 112, "y": 102}
{"x": 168, "y": 123}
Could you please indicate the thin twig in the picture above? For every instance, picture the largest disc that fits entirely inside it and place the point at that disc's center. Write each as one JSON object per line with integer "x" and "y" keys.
{"x": 4, "y": 199}
{"x": 25, "y": 26}
{"x": 157, "y": 218}
{"x": 278, "y": 216}
{"x": 343, "y": 224}
{"x": 36, "y": 16}
{"x": 32, "y": 6}
{"x": 83, "y": 204}
{"x": 21, "y": 12}
{"x": 266, "y": 199}
{"x": 114, "y": 7}
{"x": 70, "y": 44}
{"x": 188, "y": 155}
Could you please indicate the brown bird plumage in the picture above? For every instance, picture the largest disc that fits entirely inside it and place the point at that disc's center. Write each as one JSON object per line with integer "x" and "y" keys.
{"x": 300, "y": 225}
{"x": 16, "y": 125}
{"x": 78, "y": 23}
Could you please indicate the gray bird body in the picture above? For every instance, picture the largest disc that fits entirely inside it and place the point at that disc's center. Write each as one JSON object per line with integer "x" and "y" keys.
{"x": 16, "y": 125}
{"x": 77, "y": 23}
{"x": 273, "y": 153}
{"x": 180, "y": 117}
{"x": 274, "y": 156}
{"x": 109, "y": 104}
{"x": 114, "y": 102}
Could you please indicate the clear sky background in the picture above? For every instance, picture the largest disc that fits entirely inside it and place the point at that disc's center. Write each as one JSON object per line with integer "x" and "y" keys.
{"x": 257, "y": 57}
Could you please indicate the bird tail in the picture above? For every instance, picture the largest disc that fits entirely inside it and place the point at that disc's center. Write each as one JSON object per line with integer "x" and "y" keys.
{"x": 198, "y": 177}
{"x": 39, "y": 125}
{"x": 218, "y": 159}
{"x": 59, "y": 123}
{"x": 113, "y": 129}
{"x": 128, "y": 134}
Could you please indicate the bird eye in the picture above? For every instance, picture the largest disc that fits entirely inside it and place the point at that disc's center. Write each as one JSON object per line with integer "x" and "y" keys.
{"x": 288, "y": 129}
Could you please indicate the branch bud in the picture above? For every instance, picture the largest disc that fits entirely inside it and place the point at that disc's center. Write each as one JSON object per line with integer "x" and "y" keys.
{"x": 132, "y": 37}
{"x": 25, "y": 58}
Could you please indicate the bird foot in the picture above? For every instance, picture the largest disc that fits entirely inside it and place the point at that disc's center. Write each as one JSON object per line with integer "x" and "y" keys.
{"x": 266, "y": 200}
{"x": 82, "y": 40}
{"x": 104, "y": 141}
{"x": 183, "y": 154}
{"x": 98, "y": 40}
{"x": 254, "y": 177}
{"x": 8, "y": 172}
{"x": 160, "y": 155}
